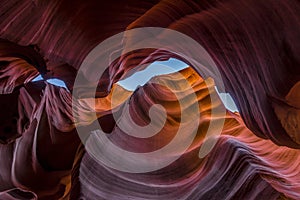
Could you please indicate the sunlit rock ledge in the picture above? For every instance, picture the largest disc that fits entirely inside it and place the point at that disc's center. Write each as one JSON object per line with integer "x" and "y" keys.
{"x": 255, "y": 46}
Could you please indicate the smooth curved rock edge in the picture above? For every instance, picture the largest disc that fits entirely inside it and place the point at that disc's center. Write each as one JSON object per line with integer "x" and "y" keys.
{"x": 255, "y": 45}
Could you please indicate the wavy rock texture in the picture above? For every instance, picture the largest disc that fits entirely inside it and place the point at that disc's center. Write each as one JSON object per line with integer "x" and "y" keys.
{"x": 255, "y": 45}
{"x": 241, "y": 165}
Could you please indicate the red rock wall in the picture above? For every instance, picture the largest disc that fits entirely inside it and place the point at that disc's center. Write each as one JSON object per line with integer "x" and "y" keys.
{"x": 255, "y": 45}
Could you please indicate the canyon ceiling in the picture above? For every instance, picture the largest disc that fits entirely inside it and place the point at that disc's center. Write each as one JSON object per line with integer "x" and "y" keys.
{"x": 255, "y": 46}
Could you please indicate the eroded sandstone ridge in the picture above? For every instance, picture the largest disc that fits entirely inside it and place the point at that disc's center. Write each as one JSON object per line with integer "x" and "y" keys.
{"x": 255, "y": 45}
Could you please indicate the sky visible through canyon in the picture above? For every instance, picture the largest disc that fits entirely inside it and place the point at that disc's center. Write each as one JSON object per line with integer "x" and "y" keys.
{"x": 142, "y": 77}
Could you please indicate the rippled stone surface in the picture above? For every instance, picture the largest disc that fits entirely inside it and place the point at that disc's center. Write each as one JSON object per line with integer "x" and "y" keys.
{"x": 255, "y": 45}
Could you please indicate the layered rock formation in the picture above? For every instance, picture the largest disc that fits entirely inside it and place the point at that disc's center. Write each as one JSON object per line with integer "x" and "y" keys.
{"x": 255, "y": 45}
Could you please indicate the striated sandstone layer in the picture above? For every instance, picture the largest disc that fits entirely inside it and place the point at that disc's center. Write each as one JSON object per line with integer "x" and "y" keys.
{"x": 255, "y": 45}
